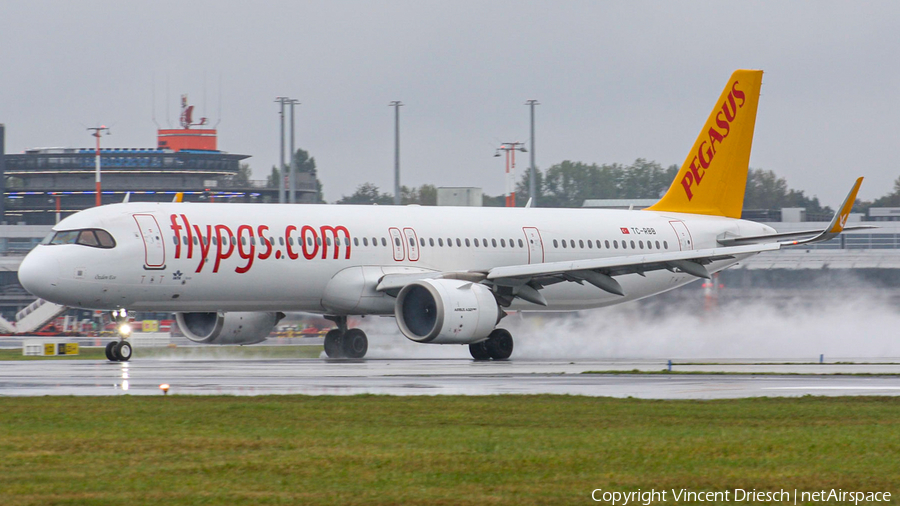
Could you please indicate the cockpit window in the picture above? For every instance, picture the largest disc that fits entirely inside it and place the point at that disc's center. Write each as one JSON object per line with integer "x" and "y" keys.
{"x": 106, "y": 240}
{"x": 87, "y": 238}
{"x": 66, "y": 237}
{"x": 94, "y": 238}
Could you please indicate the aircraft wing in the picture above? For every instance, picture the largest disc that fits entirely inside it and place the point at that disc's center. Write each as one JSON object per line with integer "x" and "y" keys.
{"x": 525, "y": 281}
{"x": 833, "y": 229}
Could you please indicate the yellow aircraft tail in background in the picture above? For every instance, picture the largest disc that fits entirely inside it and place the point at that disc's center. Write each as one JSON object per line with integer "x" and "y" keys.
{"x": 713, "y": 178}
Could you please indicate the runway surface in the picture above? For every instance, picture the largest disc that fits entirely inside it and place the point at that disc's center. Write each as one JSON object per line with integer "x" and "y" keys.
{"x": 437, "y": 377}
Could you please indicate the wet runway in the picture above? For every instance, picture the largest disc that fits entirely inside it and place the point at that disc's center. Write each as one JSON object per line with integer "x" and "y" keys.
{"x": 200, "y": 376}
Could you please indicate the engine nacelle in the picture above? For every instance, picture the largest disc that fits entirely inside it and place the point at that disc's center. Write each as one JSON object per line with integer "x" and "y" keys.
{"x": 227, "y": 328}
{"x": 446, "y": 311}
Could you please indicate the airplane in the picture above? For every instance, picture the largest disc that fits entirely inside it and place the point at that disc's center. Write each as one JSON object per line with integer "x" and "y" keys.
{"x": 448, "y": 275}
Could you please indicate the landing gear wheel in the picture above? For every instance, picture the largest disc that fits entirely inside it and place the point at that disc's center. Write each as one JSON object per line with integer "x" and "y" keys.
{"x": 355, "y": 344}
{"x": 479, "y": 351}
{"x": 111, "y": 352}
{"x": 123, "y": 351}
{"x": 333, "y": 343}
{"x": 499, "y": 344}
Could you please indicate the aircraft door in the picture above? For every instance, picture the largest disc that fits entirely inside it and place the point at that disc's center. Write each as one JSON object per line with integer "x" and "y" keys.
{"x": 397, "y": 244}
{"x": 535, "y": 245}
{"x": 683, "y": 235}
{"x": 154, "y": 246}
{"x": 412, "y": 244}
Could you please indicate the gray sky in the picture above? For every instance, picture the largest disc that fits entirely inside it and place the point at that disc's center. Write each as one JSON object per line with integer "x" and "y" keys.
{"x": 616, "y": 81}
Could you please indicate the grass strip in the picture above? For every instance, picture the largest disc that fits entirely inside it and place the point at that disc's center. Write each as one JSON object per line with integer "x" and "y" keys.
{"x": 444, "y": 450}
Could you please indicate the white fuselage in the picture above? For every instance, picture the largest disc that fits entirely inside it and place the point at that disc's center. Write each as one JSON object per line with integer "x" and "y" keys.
{"x": 181, "y": 257}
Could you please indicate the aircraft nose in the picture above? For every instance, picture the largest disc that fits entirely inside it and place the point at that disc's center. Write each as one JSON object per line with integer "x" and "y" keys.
{"x": 39, "y": 273}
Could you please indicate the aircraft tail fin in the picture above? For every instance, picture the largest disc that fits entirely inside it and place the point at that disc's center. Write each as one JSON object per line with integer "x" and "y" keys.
{"x": 713, "y": 178}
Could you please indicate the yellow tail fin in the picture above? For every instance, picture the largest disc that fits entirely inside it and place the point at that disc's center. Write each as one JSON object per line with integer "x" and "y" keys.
{"x": 713, "y": 178}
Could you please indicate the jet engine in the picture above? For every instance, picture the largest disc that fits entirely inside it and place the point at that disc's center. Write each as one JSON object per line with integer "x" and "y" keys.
{"x": 227, "y": 328}
{"x": 446, "y": 311}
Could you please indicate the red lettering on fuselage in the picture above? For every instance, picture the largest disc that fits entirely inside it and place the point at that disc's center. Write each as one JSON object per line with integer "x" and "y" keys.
{"x": 190, "y": 238}
{"x": 309, "y": 239}
{"x": 177, "y": 229}
{"x": 243, "y": 241}
{"x": 337, "y": 240}
{"x": 288, "y": 242}
{"x": 204, "y": 245}
{"x": 220, "y": 255}
{"x": 261, "y": 231}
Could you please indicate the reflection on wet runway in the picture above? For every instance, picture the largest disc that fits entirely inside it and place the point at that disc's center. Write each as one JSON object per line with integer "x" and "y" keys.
{"x": 442, "y": 377}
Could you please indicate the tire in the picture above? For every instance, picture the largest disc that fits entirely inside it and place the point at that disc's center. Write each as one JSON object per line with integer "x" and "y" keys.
{"x": 355, "y": 344}
{"x": 333, "y": 343}
{"x": 479, "y": 351}
{"x": 123, "y": 351}
{"x": 500, "y": 344}
{"x": 111, "y": 351}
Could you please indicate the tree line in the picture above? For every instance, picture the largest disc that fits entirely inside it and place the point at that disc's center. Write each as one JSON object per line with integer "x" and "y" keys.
{"x": 570, "y": 183}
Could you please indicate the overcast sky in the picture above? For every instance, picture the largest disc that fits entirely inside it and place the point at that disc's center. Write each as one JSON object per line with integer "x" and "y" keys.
{"x": 616, "y": 81}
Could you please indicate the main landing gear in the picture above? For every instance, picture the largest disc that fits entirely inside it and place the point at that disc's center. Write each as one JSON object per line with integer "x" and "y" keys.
{"x": 498, "y": 346}
{"x": 343, "y": 342}
{"x": 120, "y": 351}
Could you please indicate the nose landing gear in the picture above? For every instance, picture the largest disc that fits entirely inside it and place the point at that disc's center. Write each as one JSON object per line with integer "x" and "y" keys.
{"x": 343, "y": 342}
{"x": 120, "y": 351}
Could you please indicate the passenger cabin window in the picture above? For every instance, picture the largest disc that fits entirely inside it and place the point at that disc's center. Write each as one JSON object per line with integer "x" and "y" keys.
{"x": 94, "y": 238}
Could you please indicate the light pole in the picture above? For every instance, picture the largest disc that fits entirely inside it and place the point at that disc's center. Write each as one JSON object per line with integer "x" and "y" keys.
{"x": 292, "y": 197}
{"x": 510, "y": 148}
{"x": 97, "y": 132}
{"x": 532, "y": 191}
{"x": 281, "y": 189}
{"x": 396, "y": 105}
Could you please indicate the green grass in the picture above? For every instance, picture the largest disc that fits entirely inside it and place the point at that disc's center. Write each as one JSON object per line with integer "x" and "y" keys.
{"x": 201, "y": 351}
{"x": 433, "y": 450}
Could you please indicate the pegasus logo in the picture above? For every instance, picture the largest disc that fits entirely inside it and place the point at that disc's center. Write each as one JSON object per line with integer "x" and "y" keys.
{"x": 707, "y": 149}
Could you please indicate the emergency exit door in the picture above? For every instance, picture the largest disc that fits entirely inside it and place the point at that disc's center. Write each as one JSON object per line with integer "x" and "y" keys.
{"x": 154, "y": 246}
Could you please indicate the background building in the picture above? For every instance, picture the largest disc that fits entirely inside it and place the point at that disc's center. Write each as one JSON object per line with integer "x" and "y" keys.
{"x": 43, "y": 185}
